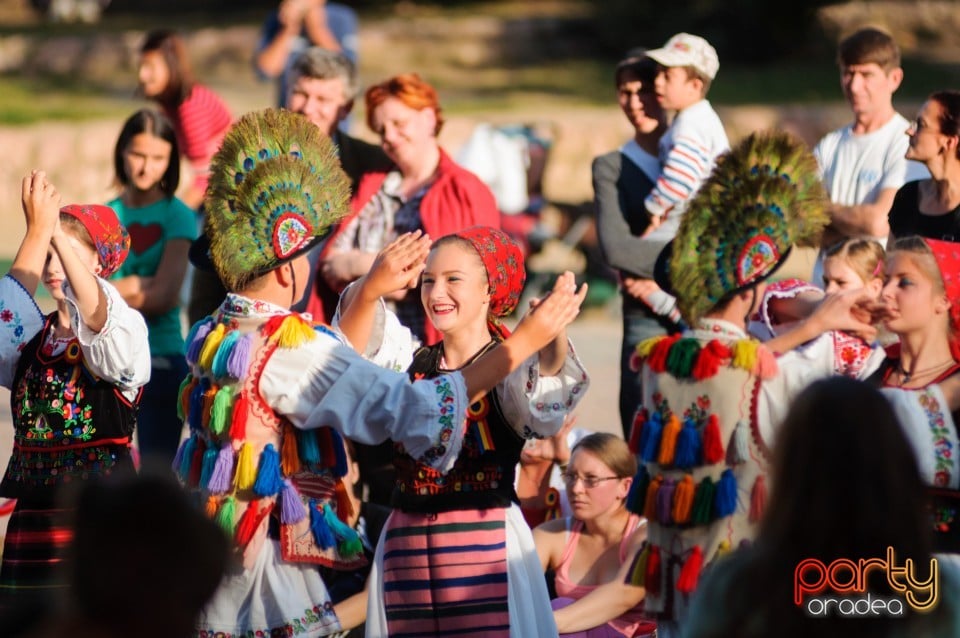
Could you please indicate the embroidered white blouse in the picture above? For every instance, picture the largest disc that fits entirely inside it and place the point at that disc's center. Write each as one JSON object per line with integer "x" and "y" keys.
{"x": 119, "y": 353}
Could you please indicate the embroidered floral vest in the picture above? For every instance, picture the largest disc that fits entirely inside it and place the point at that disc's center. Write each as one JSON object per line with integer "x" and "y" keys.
{"x": 250, "y": 464}
{"x": 702, "y": 456}
{"x": 483, "y": 475}
{"x": 69, "y": 425}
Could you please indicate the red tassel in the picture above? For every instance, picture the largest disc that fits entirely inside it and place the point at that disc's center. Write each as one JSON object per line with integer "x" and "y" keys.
{"x": 712, "y": 356}
{"x": 272, "y": 325}
{"x": 344, "y": 506}
{"x": 712, "y": 443}
{"x": 327, "y": 453}
{"x": 652, "y": 578}
{"x": 638, "y": 420}
{"x": 758, "y": 499}
{"x": 238, "y": 420}
{"x": 196, "y": 463}
{"x": 690, "y": 572}
{"x": 766, "y": 367}
{"x": 250, "y": 521}
{"x": 658, "y": 356}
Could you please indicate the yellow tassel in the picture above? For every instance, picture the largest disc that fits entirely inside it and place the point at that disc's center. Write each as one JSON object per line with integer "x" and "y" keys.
{"x": 246, "y": 473}
{"x": 210, "y": 345}
{"x": 668, "y": 441}
{"x": 639, "y": 572}
{"x": 723, "y": 548}
{"x": 646, "y": 346}
{"x": 293, "y": 332}
{"x": 745, "y": 354}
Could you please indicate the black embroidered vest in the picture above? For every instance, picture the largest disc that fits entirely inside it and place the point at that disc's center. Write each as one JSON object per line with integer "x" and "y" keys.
{"x": 68, "y": 424}
{"x": 483, "y": 474}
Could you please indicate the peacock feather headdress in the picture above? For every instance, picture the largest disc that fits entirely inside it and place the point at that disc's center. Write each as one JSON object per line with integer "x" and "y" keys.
{"x": 275, "y": 189}
{"x": 763, "y": 197}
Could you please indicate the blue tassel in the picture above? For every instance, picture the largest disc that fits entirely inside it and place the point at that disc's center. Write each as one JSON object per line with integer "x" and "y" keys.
{"x": 689, "y": 446}
{"x": 219, "y": 365}
{"x": 209, "y": 463}
{"x": 725, "y": 501}
{"x": 186, "y": 459}
{"x": 638, "y": 491}
{"x": 195, "y": 417}
{"x": 339, "y": 450}
{"x": 239, "y": 359}
{"x": 309, "y": 448}
{"x": 199, "y": 333}
{"x": 291, "y": 505}
{"x": 349, "y": 541}
{"x": 222, "y": 476}
{"x": 651, "y": 438}
{"x": 269, "y": 480}
{"x": 322, "y": 533}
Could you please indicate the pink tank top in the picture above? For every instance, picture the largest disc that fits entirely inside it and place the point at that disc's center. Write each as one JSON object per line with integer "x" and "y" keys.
{"x": 629, "y": 623}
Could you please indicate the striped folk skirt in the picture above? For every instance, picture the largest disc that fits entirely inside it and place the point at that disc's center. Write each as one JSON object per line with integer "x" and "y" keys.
{"x": 33, "y": 549}
{"x": 446, "y": 574}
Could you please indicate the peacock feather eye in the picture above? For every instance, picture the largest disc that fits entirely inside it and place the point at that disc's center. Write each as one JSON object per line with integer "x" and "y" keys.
{"x": 237, "y": 178}
{"x": 248, "y": 164}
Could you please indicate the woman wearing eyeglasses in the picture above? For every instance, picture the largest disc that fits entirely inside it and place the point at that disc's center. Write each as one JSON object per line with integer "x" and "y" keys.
{"x": 590, "y": 551}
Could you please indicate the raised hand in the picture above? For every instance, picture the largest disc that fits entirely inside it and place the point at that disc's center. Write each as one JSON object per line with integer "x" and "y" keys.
{"x": 552, "y": 314}
{"x": 398, "y": 266}
{"x": 40, "y": 201}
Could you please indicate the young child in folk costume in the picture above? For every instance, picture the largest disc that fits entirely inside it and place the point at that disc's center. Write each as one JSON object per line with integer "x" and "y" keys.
{"x": 852, "y": 264}
{"x": 456, "y": 554}
{"x": 713, "y": 396}
{"x": 269, "y": 394}
{"x": 74, "y": 375}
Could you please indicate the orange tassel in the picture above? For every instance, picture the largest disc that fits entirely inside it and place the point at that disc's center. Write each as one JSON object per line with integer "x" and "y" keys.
{"x": 690, "y": 572}
{"x": 638, "y": 420}
{"x": 712, "y": 356}
{"x": 238, "y": 420}
{"x": 211, "y": 508}
{"x": 683, "y": 500}
{"x": 758, "y": 499}
{"x": 652, "y": 578}
{"x": 207, "y": 408}
{"x": 289, "y": 454}
{"x": 344, "y": 507}
{"x": 668, "y": 442}
{"x": 658, "y": 355}
{"x": 650, "y": 505}
{"x": 712, "y": 443}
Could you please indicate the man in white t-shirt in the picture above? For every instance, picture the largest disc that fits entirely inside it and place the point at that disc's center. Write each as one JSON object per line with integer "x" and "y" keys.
{"x": 863, "y": 163}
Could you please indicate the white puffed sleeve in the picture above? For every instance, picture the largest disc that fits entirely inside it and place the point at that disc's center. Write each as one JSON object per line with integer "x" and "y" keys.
{"x": 927, "y": 423}
{"x": 391, "y": 344}
{"x": 536, "y": 406}
{"x": 325, "y": 383}
{"x": 120, "y": 352}
{"x": 20, "y": 321}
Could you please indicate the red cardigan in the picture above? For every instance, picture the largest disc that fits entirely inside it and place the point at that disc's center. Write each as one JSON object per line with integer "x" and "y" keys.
{"x": 456, "y": 199}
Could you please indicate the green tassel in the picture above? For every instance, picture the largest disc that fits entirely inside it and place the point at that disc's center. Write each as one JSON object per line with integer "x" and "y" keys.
{"x": 225, "y": 515}
{"x": 682, "y": 357}
{"x": 222, "y": 402}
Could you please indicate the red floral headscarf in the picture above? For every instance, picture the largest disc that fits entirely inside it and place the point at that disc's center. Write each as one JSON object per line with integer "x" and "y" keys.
{"x": 503, "y": 261}
{"x": 109, "y": 236}
{"x": 947, "y": 256}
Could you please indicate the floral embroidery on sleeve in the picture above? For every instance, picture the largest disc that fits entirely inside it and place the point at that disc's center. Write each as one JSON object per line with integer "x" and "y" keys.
{"x": 940, "y": 433}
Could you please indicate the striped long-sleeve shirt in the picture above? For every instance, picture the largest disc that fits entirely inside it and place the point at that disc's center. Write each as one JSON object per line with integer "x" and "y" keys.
{"x": 687, "y": 154}
{"x": 200, "y": 122}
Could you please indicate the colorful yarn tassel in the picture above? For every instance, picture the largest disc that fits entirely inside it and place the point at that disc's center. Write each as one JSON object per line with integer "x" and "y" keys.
{"x": 185, "y": 458}
{"x": 178, "y": 457}
{"x": 238, "y": 418}
{"x": 344, "y": 506}
{"x": 222, "y": 470}
{"x": 309, "y": 448}
{"x": 638, "y": 491}
{"x": 650, "y": 502}
{"x": 251, "y": 520}
{"x": 766, "y": 366}
{"x": 668, "y": 442}
{"x": 292, "y": 332}
{"x": 291, "y": 505}
{"x": 682, "y": 357}
{"x": 289, "y": 456}
{"x": 207, "y": 407}
{"x": 658, "y": 355}
{"x": 745, "y": 354}
{"x": 703, "y": 502}
{"x": 328, "y": 457}
{"x": 199, "y": 331}
{"x": 196, "y": 464}
{"x": 645, "y": 347}
{"x": 683, "y": 500}
{"x": 689, "y": 446}
{"x": 220, "y": 410}
{"x": 268, "y": 481}
{"x": 212, "y": 504}
{"x": 210, "y": 346}
{"x": 246, "y": 472}
{"x": 348, "y": 540}
{"x": 339, "y": 453}
{"x": 690, "y": 572}
{"x": 183, "y": 396}
{"x": 239, "y": 359}
{"x": 665, "y": 501}
{"x": 653, "y": 575}
{"x": 712, "y": 445}
{"x": 207, "y": 467}
{"x": 650, "y": 438}
{"x": 712, "y": 356}
{"x": 195, "y": 411}
{"x": 738, "y": 450}
{"x": 638, "y": 571}
{"x": 322, "y": 533}
{"x": 758, "y": 499}
{"x": 219, "y": 365}
{"x": 725, "y": 501}
{"x": 639, "y": 419}
{"x": 225, "y": 515}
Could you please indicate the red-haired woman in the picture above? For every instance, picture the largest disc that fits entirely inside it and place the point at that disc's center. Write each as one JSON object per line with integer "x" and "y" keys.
{"x": 425, "y": 191}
